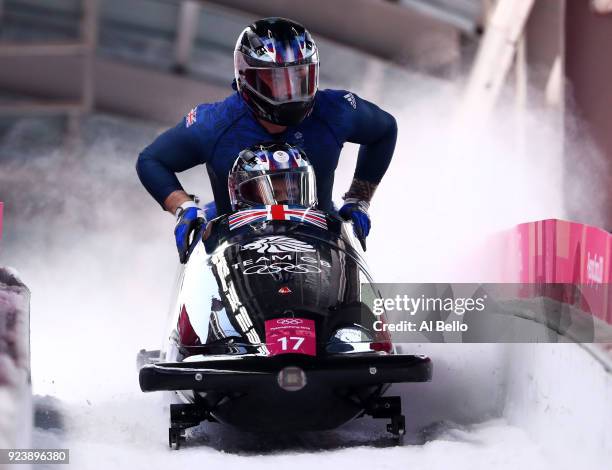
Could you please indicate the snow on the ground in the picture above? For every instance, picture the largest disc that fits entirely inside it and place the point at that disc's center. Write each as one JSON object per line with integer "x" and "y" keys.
{"x": 133, "y": 436}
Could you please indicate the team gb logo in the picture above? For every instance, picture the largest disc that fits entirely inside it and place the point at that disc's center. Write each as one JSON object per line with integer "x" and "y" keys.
{"x": 278, "y": 244}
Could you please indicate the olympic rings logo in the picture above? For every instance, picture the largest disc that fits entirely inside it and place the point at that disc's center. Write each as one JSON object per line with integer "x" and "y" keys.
{"x": 276, "y": 268}
{"x": 289, "y": 321}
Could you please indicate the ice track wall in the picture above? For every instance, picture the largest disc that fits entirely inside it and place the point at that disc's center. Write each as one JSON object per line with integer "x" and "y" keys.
{"x": 15, "y": 388}
{"x": 562, "y": 397}
{"x": 15, "y": 385}
{"x": 561, "y": 394}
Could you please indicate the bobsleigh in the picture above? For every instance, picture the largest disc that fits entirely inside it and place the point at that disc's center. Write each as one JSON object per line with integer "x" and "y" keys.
{"x": 269, "y": 330}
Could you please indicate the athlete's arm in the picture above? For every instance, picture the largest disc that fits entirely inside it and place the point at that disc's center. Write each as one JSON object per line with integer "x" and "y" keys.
{"x": 175, "y": 199}
{"x": 173, "y": 151}
{"x": 376, "y": 131}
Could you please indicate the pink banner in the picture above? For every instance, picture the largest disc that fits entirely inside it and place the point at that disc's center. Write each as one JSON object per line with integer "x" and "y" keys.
{"x": 556, "y": 251}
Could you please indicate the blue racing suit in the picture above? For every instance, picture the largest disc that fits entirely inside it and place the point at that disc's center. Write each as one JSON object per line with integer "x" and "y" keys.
{"x": 214, "y": 134}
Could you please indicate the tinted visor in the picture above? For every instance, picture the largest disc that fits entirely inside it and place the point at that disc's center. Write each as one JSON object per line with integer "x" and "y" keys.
{"x": 280, "y": 188}
{"x": 284, "y": 84}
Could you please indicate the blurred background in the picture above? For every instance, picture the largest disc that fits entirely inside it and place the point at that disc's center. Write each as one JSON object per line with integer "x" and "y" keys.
{"x": 71, "y": 70}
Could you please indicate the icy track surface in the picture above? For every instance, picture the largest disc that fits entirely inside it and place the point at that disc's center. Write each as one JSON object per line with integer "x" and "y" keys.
{"x": 99, "y": 258}
{"x": 122, "y": 445}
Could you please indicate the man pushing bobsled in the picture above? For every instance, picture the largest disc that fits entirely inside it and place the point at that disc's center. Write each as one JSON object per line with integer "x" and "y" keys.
{"x": 276, "y": 68}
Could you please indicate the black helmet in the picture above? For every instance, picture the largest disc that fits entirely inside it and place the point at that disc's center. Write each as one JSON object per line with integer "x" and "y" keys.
{"x": 271, "y": 173}
{"x": 276, "y": 66}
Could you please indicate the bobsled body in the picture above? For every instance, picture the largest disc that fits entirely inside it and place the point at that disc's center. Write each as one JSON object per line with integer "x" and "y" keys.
{"x": 270, "y": 330}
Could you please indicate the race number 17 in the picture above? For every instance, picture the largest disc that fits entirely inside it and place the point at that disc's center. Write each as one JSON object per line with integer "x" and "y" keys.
{"x": 298, "y": 340}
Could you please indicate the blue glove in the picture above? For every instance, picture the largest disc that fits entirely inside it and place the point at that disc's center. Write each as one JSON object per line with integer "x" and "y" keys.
{"x": 210, "y": 210}
{"x": 356, "y": 211}
{"x": 190, "y": 219}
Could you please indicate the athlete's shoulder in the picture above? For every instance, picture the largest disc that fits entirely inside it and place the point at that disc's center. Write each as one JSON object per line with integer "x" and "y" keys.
{"x": 217, "y": 115}
{"x": 340, "y": 99}
{"x": 337, "y": 108}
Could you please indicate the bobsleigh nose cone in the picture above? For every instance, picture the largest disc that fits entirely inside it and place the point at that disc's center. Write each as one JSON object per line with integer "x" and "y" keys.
{"x": 291, "y": 379}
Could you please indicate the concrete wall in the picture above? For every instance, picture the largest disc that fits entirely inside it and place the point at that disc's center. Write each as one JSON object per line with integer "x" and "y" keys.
{"x": 121, "y": 88}
{"x": 379, "y": 27}
{"x": 588, "y": 65}
{"x": 545, "y": 40}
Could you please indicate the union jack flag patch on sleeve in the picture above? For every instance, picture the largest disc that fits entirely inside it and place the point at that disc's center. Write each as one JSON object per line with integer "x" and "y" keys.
{"x": 191, "y": 118}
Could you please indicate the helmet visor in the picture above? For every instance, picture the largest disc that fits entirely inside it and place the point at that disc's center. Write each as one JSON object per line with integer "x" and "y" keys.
{"x": 284, "y": 84}
{"x": 280, "y": 188}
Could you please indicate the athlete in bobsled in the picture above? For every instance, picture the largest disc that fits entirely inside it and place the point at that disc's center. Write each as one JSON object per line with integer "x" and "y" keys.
{"x": 271, "y": 173}
{"x": 276, "y": 68}
{"x": 269, "y": 330}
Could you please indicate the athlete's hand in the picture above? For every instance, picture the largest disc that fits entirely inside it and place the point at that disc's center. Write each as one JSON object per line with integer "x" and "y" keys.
{"x": 356, "y": 211}
{"x": 190, "y": 219}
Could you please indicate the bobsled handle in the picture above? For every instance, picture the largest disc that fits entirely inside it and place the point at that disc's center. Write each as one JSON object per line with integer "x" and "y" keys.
{"x": 197, "y": 238}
